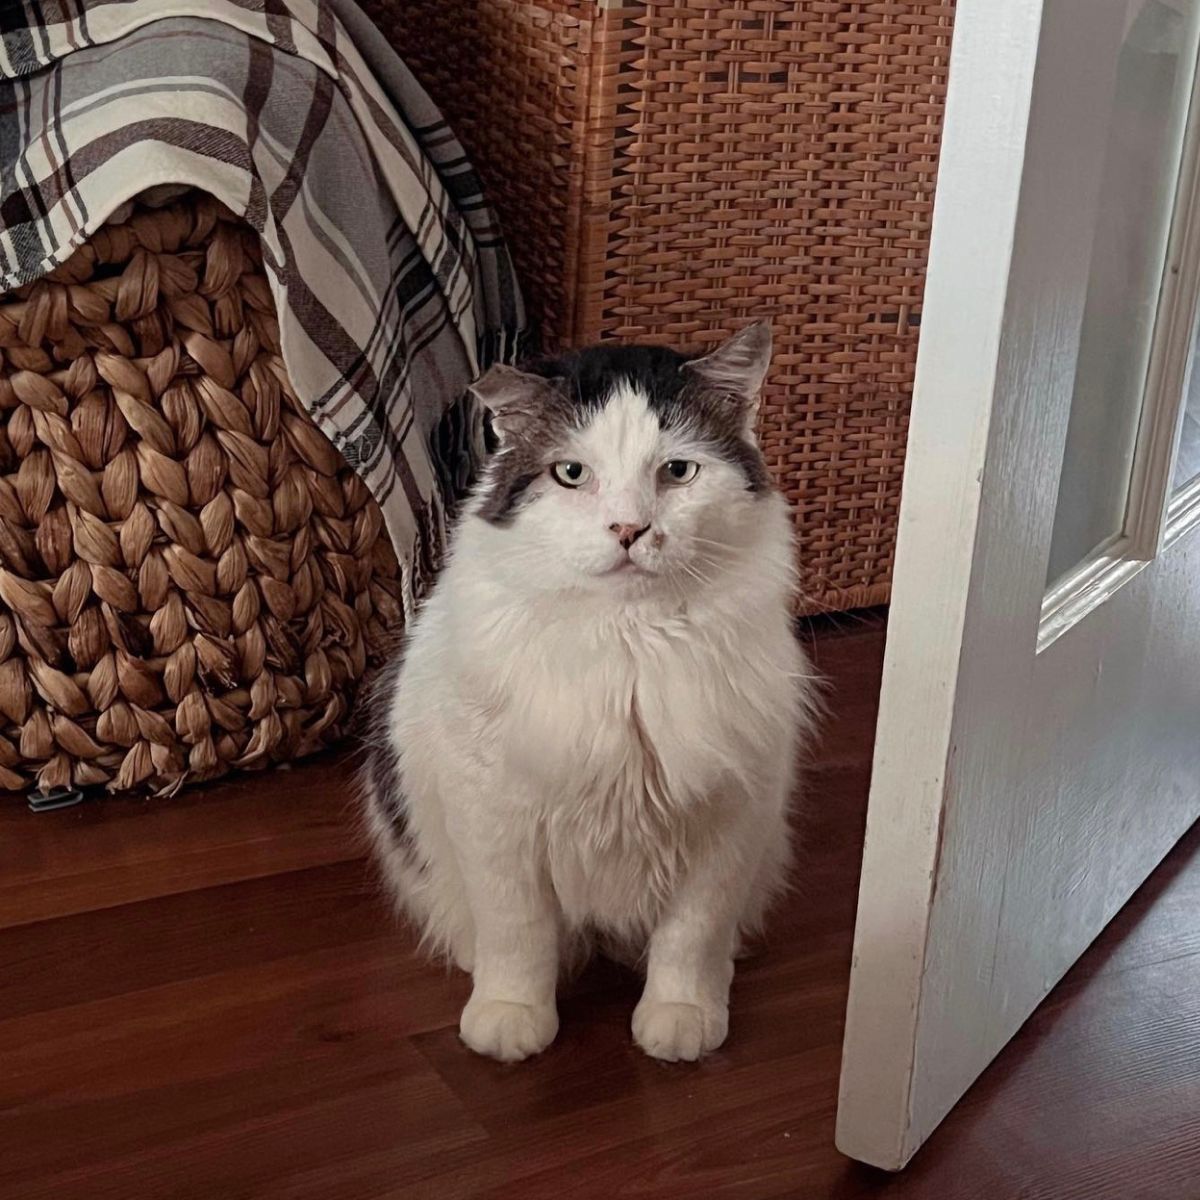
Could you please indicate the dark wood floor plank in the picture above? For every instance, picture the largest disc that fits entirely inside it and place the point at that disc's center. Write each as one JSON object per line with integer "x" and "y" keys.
{"x": 392, "y": 1114}
{"x": 247, "y": 1015}
{"x": 114, "y": 851}
{"x": 207, "y": 998}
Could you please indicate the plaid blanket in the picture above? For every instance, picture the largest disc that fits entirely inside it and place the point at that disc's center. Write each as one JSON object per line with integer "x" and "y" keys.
{"x": 393, "y": 285}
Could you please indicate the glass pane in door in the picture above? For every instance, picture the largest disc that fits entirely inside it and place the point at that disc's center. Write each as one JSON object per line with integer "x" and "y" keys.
{"x": 1150, "y": 92}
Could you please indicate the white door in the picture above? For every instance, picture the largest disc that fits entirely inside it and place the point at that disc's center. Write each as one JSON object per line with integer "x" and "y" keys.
{"x": 1038, "y": 749}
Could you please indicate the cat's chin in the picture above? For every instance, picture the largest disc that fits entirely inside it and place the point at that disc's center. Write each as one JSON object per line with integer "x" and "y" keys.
{"x": 626, "y": 578}
{"x": 626, "y": 569}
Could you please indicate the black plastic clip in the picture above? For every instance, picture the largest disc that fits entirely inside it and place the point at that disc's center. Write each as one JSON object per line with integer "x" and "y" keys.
{"x": 55, "y": 798}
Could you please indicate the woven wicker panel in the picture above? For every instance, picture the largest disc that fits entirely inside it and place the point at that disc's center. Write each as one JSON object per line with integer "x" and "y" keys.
{"x": 668, "y": 170}
{"x": 191, "y": 578}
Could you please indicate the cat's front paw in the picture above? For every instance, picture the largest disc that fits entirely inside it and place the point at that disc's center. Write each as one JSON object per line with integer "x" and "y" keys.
{"x": 678, "y": 1032}
{"x": 506, "y": 1030}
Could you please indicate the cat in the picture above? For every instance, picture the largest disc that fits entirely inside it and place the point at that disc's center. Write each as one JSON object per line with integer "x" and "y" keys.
{"x": 592, "y": 735}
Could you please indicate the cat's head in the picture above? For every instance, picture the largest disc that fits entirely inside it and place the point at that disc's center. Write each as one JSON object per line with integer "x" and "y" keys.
{"x": 627, "y": 467}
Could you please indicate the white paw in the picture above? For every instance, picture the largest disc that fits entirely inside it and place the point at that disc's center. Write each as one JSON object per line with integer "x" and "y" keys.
{"x": 679, "y": 1032}
{"x": 505, "y": 1030}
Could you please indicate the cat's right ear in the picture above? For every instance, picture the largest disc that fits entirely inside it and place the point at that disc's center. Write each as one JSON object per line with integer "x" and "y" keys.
{"x": 515, "y": 399}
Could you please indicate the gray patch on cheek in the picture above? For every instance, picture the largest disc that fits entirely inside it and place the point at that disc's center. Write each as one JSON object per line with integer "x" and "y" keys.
{"x": 718, "y": 422}
{"x": 510, "y": 485}
{"x": 735, "y": 449}
{"x": 522, "y": 462}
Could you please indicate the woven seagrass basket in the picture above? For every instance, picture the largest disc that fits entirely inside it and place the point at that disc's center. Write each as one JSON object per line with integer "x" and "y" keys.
{"x": 191, "y": 578}
{"x": 668, "y": 170}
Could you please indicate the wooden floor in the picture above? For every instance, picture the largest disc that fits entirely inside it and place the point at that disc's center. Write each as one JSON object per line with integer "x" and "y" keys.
{"x": 204, "y": 998}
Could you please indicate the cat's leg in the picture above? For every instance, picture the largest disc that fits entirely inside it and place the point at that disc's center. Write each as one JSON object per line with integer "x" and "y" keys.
{"x": 512, "y": 1012}
{"x": 684, "y": 1009}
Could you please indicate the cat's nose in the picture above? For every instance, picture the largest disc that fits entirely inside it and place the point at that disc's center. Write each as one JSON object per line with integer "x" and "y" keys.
{"x": 628, "y": 534}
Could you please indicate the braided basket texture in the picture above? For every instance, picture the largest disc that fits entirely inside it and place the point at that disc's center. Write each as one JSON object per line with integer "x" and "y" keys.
{"x": 668, "y": 171}
{"x": 191, "y": 578}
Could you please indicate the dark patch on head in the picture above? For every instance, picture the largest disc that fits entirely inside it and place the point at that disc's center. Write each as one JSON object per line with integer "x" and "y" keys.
{"x": 589, "y": 375}
{"x": 583, "y": 382}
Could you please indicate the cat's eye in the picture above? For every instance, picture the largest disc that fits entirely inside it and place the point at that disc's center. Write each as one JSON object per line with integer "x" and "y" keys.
{"x": 570, "y": 474}
{"x": 679, "y": 470}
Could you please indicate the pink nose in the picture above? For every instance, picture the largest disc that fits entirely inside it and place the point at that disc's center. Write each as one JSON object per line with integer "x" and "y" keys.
{"x": 628, "y": 534}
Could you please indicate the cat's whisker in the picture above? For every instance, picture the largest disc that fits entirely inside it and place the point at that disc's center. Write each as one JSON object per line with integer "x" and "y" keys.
{"x": 696, "y": 573}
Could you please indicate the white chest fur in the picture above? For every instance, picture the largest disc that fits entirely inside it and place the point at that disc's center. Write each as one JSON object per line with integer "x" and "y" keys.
{"x": 635, "y": 738}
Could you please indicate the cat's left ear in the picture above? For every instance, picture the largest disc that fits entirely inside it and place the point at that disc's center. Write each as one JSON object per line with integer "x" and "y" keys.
{"x": 738, "y": 366}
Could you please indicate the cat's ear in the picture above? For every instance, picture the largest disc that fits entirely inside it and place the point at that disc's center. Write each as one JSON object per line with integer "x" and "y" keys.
{"x": 738, "y": 365}
{"x": 515, "y": 400}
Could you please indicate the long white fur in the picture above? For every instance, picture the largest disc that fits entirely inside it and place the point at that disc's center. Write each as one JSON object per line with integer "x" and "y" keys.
{"x": 589, "y": 755}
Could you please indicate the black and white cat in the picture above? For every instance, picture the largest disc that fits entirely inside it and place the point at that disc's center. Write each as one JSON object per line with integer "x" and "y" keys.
{"x": 593, "y": 732}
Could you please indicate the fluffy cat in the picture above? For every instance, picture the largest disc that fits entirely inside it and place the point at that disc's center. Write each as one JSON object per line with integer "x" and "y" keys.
{"x": 593, "y": 732}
